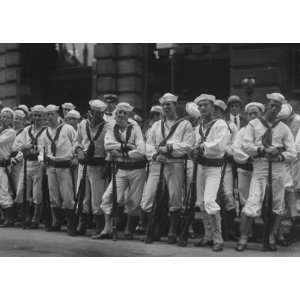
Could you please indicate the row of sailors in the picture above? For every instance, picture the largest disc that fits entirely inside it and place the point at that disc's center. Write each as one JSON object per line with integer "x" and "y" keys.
{"x": 206, "y": 137}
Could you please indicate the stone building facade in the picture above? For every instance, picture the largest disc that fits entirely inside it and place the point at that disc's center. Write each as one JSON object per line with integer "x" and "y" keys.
{"x": 140, "y": 73}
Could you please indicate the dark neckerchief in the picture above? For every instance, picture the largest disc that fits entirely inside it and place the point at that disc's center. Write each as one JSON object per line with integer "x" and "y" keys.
{"x": 209, "y": 127}
{"x": 35, "y": 138}
{"x": 91, "y": 148}
{"x": 54, "y": 140}
{"x": 117, "y": 135}
{"x": 267, "y": 137}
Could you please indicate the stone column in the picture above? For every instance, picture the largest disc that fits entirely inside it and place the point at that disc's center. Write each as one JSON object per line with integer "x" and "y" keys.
{"x": 119, "y": 69}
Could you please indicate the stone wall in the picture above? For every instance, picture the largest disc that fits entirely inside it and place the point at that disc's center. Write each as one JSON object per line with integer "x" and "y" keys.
{"x": 10, "y": 61}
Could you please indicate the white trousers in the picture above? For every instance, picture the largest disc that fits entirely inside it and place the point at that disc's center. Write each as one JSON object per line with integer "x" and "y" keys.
{"x": 257, "y": 189}
{"x": 61, "y": 190}
{"x": 34, "y": 184}
{"x": 94, "y": 188}
{"x": 208, "y": 182}
{"x": 130, "y": 181}
{"x": 6, "y": 199}
{"x": 174, "y": 176}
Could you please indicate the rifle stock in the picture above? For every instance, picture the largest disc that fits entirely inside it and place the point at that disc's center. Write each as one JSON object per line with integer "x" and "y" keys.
{"x": 189, "y": 207}
{"x": 24, "y": 204}
{"x": 157, "y": 201}
{"x": 114, "y": 203}
{"x": 268, "y": 207}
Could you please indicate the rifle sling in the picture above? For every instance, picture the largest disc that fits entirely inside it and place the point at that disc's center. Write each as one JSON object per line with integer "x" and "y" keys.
{"x": 171, "y": 132}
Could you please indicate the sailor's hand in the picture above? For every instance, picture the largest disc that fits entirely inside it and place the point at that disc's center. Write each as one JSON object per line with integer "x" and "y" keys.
{"x": 131, "y": 146}
{"x": 27, "y": 147}
{"x": 14, "y": 161}
{"x": 74, "y": 162}
{"x": 115, "y": 153}
{"x": 272, "y": 151}
{"x": 163, "y": 150}
{"x": 80, "y": 154}
{"x": 276, "y": 158}
{"x": 161, "y": 158}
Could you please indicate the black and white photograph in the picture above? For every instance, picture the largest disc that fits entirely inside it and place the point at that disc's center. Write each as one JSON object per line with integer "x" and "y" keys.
{"x": 149, "y": 149}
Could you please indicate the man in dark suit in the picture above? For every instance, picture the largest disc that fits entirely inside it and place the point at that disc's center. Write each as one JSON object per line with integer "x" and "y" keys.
{"x": 234, "y": 110}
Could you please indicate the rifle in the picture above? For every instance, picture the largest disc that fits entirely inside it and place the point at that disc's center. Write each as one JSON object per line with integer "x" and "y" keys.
{"x": 46, "y": 199}
{"x": 221, "y": 201}
{"x": 153, "y": 218}
{"x": 189, "y": 208}
{"x": 24, "y": 204}
{"x": 268, "y": 208}
{"x": 114, "y": 202}
{"x": 78, "y": 205}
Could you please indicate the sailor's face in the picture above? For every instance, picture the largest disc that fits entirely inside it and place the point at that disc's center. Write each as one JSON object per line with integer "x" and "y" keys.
{"x": 19, "y": 122}
{"x": 37, "y": 116}
{"x": 235, "y": 108}
{"x": 95, "y": 116}
{"x": 72, "y": 121}
{"x": 65, "y": 111}
{"x": 52, "y": 116}
{"x": 205, "y": 108}
{"x": 169, "y": 108}
{"x": 6, "y": 118}
{"x": 273, "y": 108}
{"x": 253, "y": 113}
{"x": 122, "y": 116}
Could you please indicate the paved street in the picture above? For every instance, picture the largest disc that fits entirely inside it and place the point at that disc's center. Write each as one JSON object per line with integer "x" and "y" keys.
{"x": 18, "y": 242}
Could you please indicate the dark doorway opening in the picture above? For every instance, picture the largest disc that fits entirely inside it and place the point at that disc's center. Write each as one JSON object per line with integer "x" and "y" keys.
{"x": 51, "y": 75}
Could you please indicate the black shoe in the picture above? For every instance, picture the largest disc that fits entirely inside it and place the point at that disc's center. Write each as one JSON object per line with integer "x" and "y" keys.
{"x": 241, "y": 247}
{"x": 217, "y": 247}
{"x": 34, "y": 225}
{"x": 203, "y": 243}
{"x": 282, "y": 242}
{"x": 269, "y": 247}
{"x": 102, "y": 236}
{"x": 128, "y": 236}
{"x": 53, "y": 228}
{"x": 171, "y": 239}
{"x": 148, "y": 240}
{"x": 182, "y": 243}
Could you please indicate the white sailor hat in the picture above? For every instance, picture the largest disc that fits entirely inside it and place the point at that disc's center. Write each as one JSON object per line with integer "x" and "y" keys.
{"x": 8, "y": 109}
{"x": 221, "y": 104}
{"x": 24, "y": 108}
{"x": 192, "y": 110}
{"x": 68, "y": 105}
{"x": 156, "y": 108}
{"x": 38, "y": 108}
{"x": 168, "y": 97}
{"x": 255, "y": 104}
{"x": 51, "y": 108}
{"x": 20, "y": 113}
{"x": 234, "y": 99}
{"x": 286, "y": 111}
{"x": 97, "y": 105}
{"x": 276, "y": 97}
{"x": 124, "y": 106}
{"x": 205, "y": 97}
{"x": 73, "y": 114}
